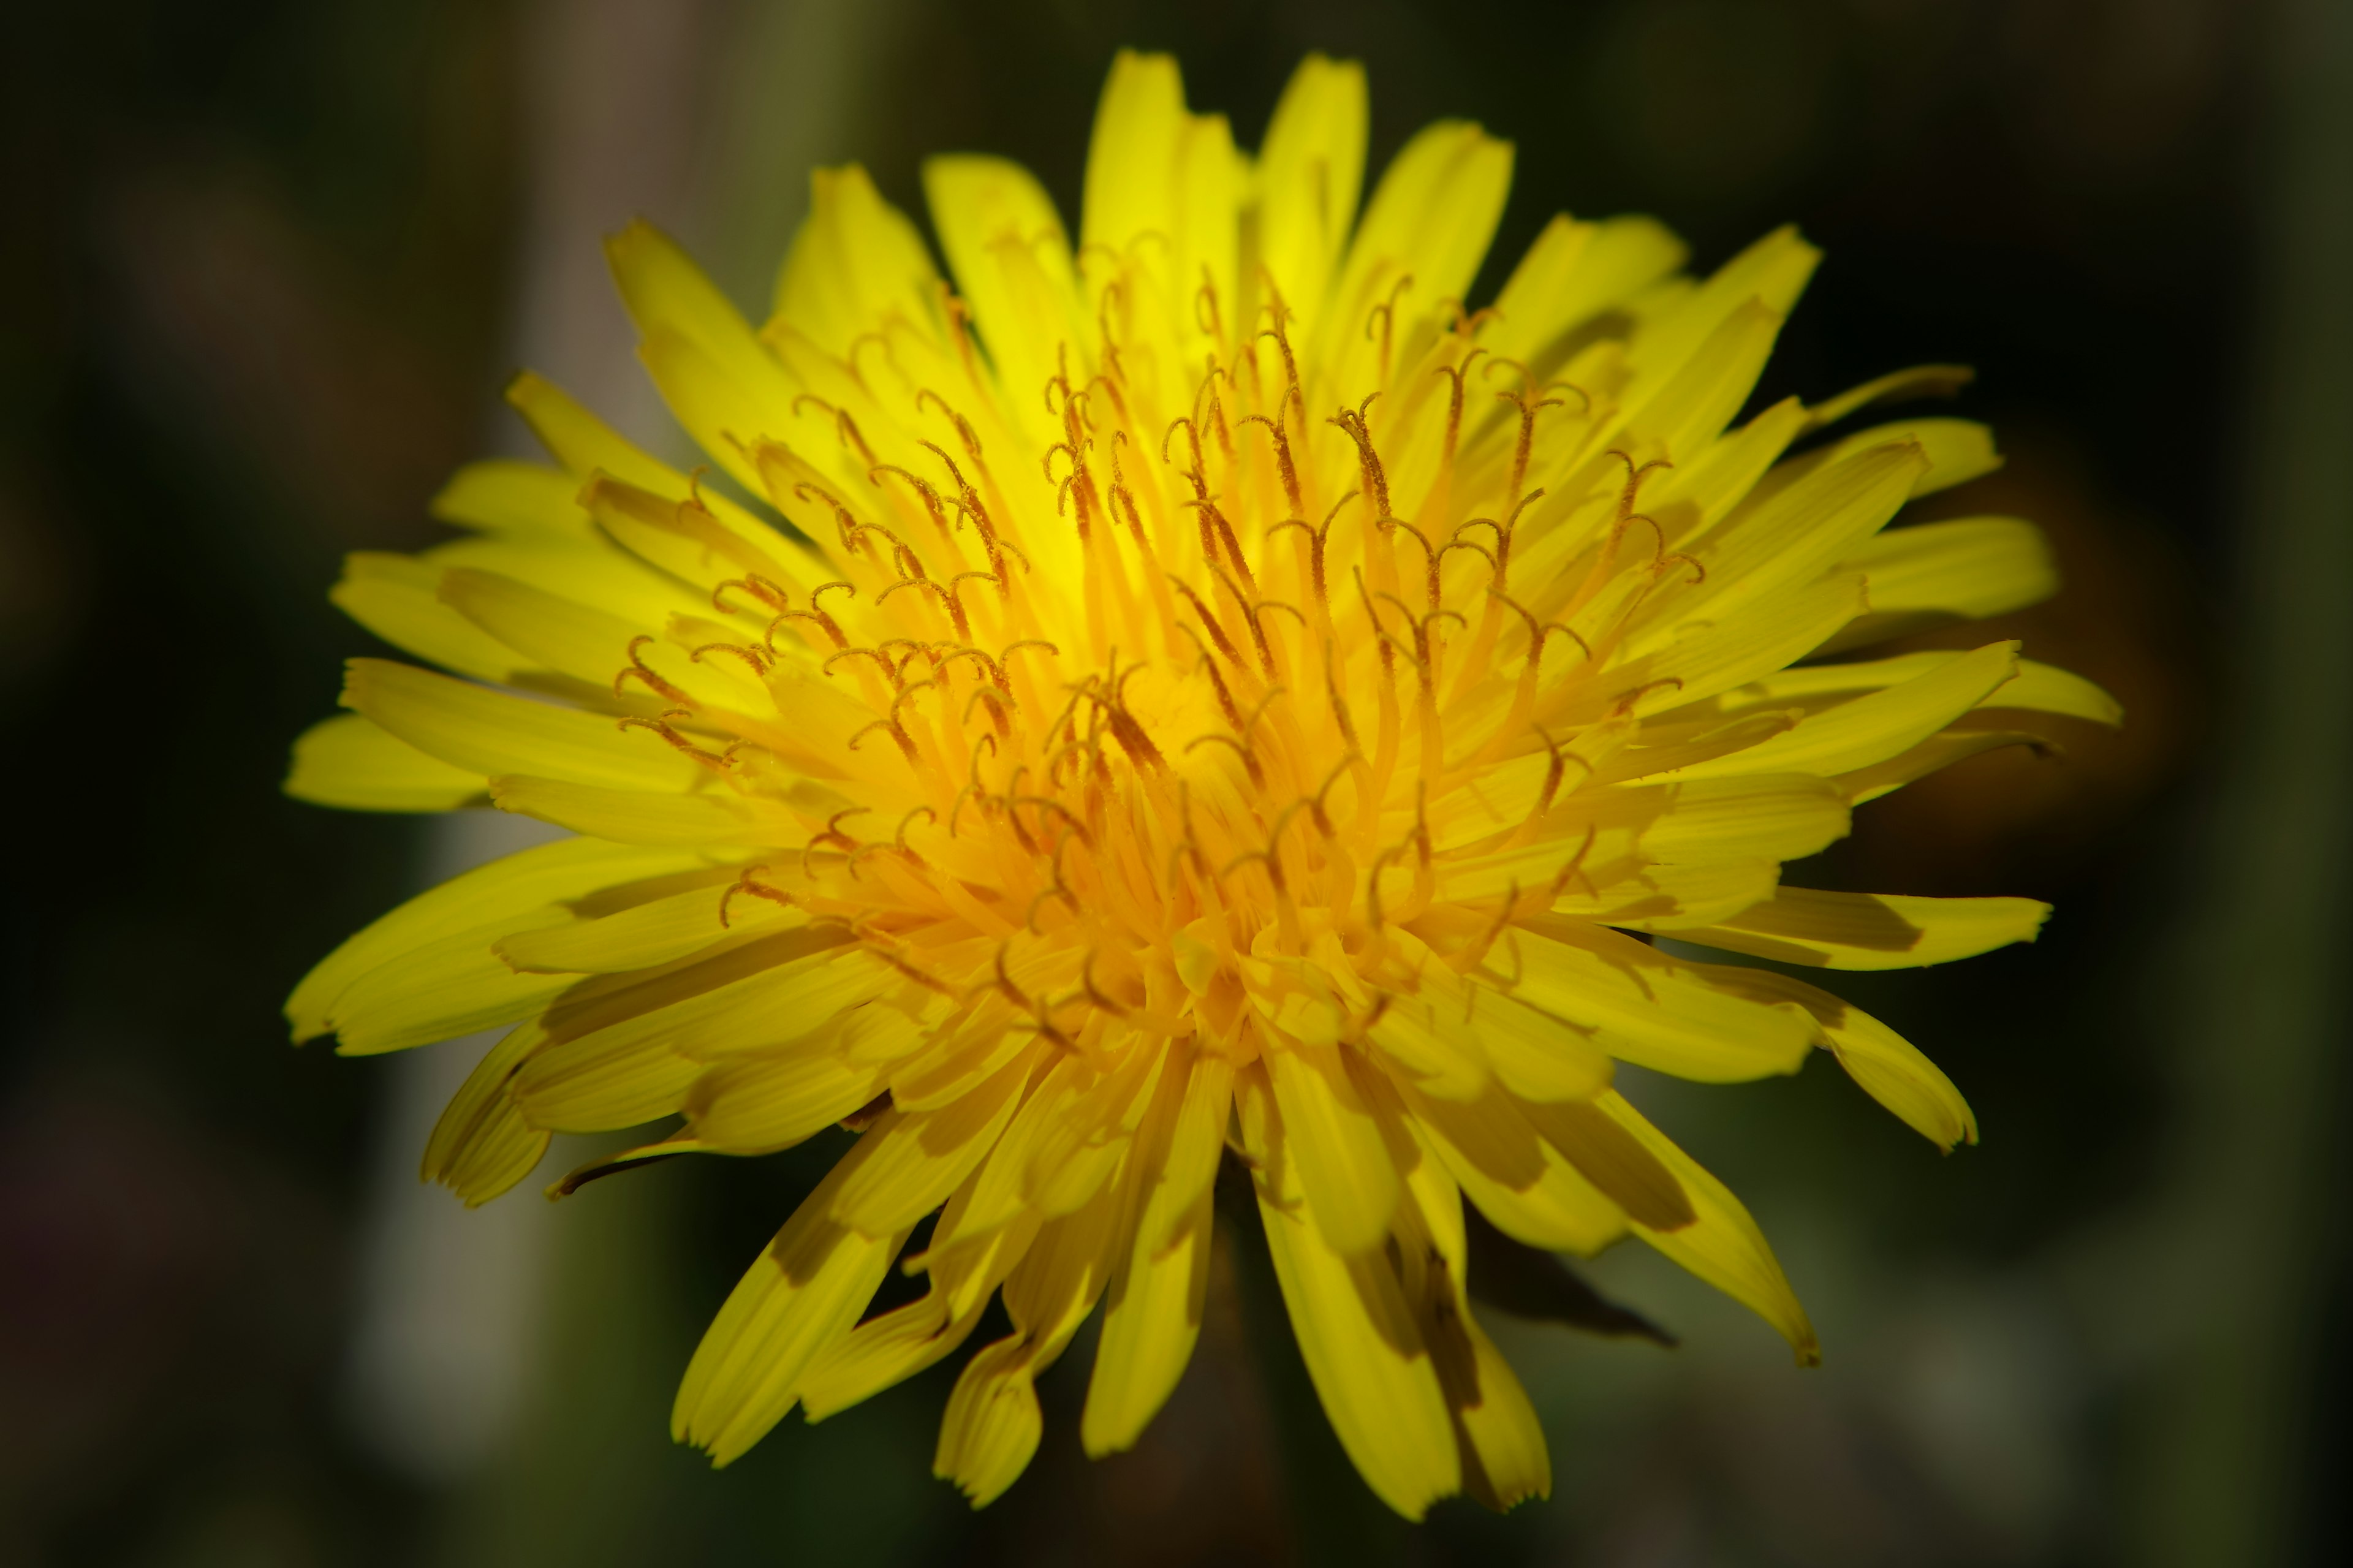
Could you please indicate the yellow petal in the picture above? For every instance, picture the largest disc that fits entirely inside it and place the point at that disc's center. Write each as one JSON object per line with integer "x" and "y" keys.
{"x": 1813, "y": 686}
{"x": 1071, "y": 1162}
{"x": 1893, "y": 1071}
{"x": 1957, "y": 450}
{"x": 856, "y": 261}
{"x": 800, "y": 1295}
{"x": 1572, "y": 273}
{"x": 482, "y": 1146}
{"x": 886, "y": 1350}
{"x": 1210, "y": 179}
{"x": 929, "y": 1153}
{"x": 1356, "y": 1330}
{"x": 350, "y": 761}
{"x": 674, "y": 304}
{"x": 1432, "y": 1043}
{"x": 1773, "y": 271}
{"x": 1712, "y": 482}
{"x": 1968, "y": 568}
{"x": 584, "y": 570}
{"x": 992, "y": 1424}
{"x": 441, "y": 990}
{"x": 1505, "y": 1460}
{"x": 394, "y": 597}
{"x": 1615, "y": 1161}
{"x": 661, "y": 285}
{"x": 1425, "y": 1034}
{"x": 1150, "y": 1326}
{"x": 1132, "y": 156}
{"x": 881, "y": 1352}
{"x": 650, "y": 818}
{"x": 1536, "y": 1055}
{"x": 1003, "y": 1190}
{"x": 1918, "y": 381}
{"x": 500, "y": 493}
{"x": 1935, "y": 753}
{"x": 2036, "y": 688}
{"x": 1783, "y": 537}
{"x": 1871, "y": 729}
{"x": 1648, "y": 827}
{"x": 965, "y": 1055}
{"x": 657, "y": 930}
{"x": 1722, "y": 1244}
{"x": 725, "y": 417}
{"x": 1872, "y": 931}
{"x": 1155, "y": 170}
{"x": 1517, "y": 1178}
{"x": 1610, "y": 882}
{"x": 1188, "y": 1163}
{"x": 1011, "y": 258}
{"x": 687, "y": 534}
{"x": 1690, "y": 408}
{"x": 1152, "y": 1315}
{"x": 624, "y": 1049}
{"x": 1051, "y": 1291}
{"x": 1765, "y": 816}
{"x": 490, "y": 732}
{"x": 1430, "y": 219}
{"x": 1890, "y": 1068}
{"x": 1310, "y": 175}
{"x": 965, "y": 1270}
{"x": 582, "y": 443}
{"x": 2045, "y": 689}
{"x": 586, "y": 445}
{"x": 1742, "y": 647}
{"x": 1669, "y": 897}
{"x": 515, "y": 885}
{"x": 1643, "y": 1007}
{"x": 1338, "y": 1161}
{"x": 545, "y": 629}
{"x": 759, "y": 1103}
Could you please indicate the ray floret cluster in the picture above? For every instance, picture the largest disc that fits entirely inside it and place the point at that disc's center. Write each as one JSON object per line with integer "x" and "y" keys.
{"x": 1198, "y": 688}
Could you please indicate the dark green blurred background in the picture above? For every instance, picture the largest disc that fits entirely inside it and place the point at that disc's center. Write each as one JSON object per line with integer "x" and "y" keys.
{"x": 264, "y": 268}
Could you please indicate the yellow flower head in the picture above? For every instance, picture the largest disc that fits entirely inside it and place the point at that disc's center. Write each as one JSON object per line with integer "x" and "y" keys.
{"x": 1215, "y": 691}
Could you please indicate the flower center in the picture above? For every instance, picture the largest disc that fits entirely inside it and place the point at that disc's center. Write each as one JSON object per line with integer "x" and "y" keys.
{"x": 1203, "y": 727}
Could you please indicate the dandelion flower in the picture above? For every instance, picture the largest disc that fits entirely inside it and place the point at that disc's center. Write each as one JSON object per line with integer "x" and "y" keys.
{"x": 1196, "y": 685}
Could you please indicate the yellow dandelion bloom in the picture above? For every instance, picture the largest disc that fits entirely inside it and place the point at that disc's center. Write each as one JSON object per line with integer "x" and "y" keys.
{"x": 1215, "y": 691}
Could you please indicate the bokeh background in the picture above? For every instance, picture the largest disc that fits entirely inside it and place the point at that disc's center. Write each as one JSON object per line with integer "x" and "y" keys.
{"x": 265, "y": 266}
